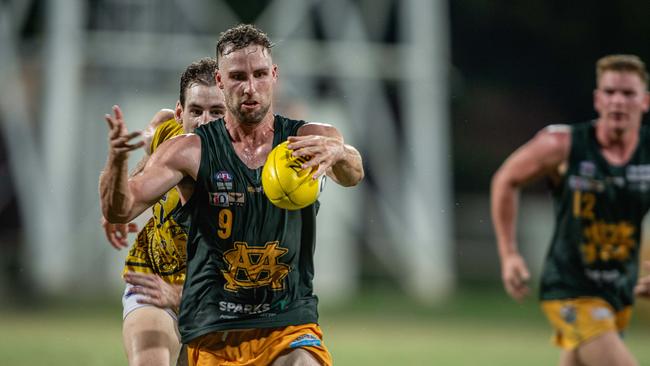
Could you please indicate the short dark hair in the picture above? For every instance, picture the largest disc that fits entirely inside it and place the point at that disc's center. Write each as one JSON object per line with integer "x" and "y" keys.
{"x": 201, "y": 72}
{"x": 622, "y": 63}
{"x": 241, "y": 36}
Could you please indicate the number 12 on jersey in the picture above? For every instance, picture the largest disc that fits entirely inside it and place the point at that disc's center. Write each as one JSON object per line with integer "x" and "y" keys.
{"x": 583, "y": 205}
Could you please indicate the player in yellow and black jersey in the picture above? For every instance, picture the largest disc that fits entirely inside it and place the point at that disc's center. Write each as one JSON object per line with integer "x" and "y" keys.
{"x": 155, "y": 265}
{"x": 160, "y": 246}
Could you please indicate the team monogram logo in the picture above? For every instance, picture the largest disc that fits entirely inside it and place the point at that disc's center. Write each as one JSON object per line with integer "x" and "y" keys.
{"x": 251, "y": 267}
{"x": 608, "y": 242}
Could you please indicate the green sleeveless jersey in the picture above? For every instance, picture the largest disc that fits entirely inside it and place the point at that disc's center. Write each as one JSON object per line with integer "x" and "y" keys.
{"x": 599, "y": 208}
{"x": 250, "y": 263}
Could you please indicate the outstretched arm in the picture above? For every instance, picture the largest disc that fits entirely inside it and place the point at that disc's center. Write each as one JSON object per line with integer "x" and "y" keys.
{"x": 116, "y": 234}
{"x": 324, "y": 144}
{"x": 123, "y": 199}
{"x": 541, "y": 156}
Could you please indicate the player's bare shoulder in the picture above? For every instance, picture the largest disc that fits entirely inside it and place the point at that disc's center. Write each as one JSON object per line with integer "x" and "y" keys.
{"x": 557, "y": 130}
{"x": 555, "y": 139}
{"x": 554, "y": 142}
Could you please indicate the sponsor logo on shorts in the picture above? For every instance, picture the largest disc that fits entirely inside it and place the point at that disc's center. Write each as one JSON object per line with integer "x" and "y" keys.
{"x": 569, "y": 313}
{"x": 601, "y": 313}
{"x": 305, "y": 340}
{"x": 223, "y": 180}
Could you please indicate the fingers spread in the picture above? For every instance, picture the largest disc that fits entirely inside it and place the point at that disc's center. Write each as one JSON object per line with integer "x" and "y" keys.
{"x": 118, "y": 112}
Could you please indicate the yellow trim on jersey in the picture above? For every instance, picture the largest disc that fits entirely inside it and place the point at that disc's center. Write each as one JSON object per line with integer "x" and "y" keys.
{"x": 164, "y": 132}
{"x": 160, "y": 246}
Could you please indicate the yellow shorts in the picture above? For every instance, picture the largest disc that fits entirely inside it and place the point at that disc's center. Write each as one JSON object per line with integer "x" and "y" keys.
{"x": 580, "y": 319}
{"x": 256, "y": 346}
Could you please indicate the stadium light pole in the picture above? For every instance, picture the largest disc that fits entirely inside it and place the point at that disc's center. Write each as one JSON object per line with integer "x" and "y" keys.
{"x": 60, "y": 128}
{"x": 423, "y": 26}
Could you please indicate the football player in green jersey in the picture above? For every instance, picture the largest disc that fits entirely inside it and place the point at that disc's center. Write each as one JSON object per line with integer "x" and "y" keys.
{"x": 599, "y": 172}
{"x": 248, "y": 296}
{"x": 155, "y": 266}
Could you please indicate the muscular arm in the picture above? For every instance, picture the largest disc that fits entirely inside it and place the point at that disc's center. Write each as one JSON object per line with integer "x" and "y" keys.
{"x": 544, "y": 155}
{"x": 325, "y": 145}
{"x": 123, "y": 199}
{"x": 116, "y": 234}
{"x": 541, "y": 156}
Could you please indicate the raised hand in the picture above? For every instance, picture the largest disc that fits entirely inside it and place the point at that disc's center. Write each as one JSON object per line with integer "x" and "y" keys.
{"x": 116, "y": 234}
{"x": 515, "y": 276}
{"x": 119, "y": 138}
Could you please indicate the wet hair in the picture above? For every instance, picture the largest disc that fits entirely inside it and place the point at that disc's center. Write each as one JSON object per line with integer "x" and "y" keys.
{"x": 241, "y": 36}
{"x": 200, "y": 72}
{"x": 622, "y": 63}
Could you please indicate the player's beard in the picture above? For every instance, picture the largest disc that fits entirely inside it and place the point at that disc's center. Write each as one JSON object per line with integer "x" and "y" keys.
{"x": 250, "y": 117}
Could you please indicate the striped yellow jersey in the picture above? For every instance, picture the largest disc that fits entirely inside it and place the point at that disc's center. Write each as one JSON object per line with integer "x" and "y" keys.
{"x": 160, "y": 246}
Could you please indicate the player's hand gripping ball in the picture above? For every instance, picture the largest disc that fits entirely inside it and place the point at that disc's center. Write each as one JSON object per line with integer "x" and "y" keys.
{"x": 285, "y": 183}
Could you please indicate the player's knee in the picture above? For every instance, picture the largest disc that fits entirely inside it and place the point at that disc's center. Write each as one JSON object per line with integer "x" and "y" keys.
{"x": 296, "y": 357}
{"x": 152, "y": 356}
{"x": 151, "y": 347}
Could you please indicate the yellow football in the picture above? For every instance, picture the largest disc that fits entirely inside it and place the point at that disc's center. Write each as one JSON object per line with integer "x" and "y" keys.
{"x": 284, "y": 181}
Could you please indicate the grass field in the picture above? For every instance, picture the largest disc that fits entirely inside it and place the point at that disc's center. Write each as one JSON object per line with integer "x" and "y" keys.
{"x": 476, "y": 327}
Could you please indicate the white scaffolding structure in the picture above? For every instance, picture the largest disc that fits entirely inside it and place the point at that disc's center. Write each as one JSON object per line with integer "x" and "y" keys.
{"x": 389, "y": 98}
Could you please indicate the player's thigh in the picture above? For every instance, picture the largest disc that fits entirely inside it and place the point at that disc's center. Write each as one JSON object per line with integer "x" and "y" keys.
{"x": 150, "y": 336}
{"x": 296, "y": 357}
{"x": 607, "y": 349}
{"x": 569, "y": 358}
{"x": 183, "y": 360}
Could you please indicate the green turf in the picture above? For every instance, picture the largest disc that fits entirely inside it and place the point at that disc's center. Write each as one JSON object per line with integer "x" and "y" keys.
{"x": 476, "y": 328}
